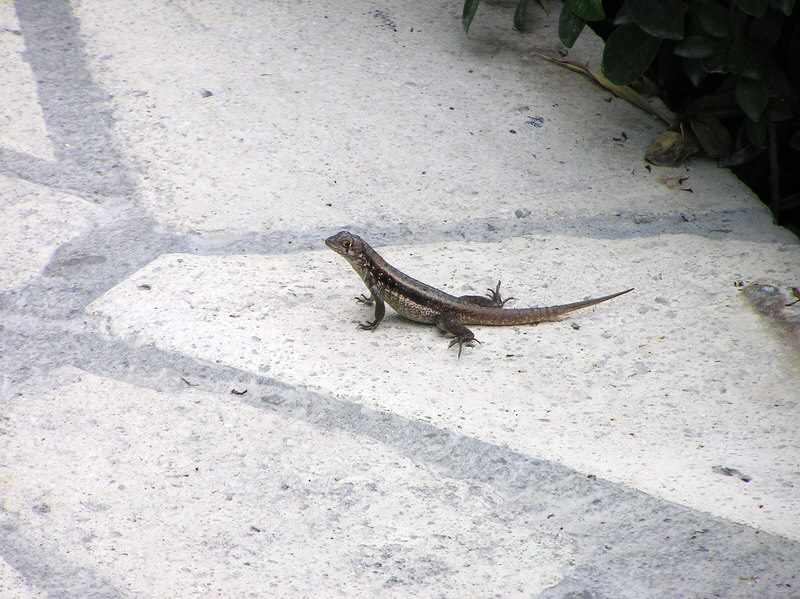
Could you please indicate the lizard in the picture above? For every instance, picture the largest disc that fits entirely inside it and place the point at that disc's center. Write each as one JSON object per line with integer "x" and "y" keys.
{"x": 419, "y": 302}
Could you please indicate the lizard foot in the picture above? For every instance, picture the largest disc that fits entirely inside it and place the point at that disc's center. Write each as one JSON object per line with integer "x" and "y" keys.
{"x": 469, "y": 340}
{"x": 493, "y": 299}
{"x": 496, "y": 298}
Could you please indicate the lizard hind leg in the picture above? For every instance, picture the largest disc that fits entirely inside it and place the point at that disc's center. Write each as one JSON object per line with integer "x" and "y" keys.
{"x": 493, "y": 299}
{"x": 461, "y": 333}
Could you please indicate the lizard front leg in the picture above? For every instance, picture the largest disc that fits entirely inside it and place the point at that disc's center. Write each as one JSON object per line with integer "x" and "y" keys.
{"x": 493, "y": 299}
{"x": 377, "y": 298}
{"x": 462, "y": 334}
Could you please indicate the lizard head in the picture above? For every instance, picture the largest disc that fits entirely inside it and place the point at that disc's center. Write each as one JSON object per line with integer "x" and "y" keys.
{"x": 352, "y": 247}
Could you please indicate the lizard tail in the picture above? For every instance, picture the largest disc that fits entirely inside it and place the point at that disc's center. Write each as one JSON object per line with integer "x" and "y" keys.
{"x": 518, "y": 316}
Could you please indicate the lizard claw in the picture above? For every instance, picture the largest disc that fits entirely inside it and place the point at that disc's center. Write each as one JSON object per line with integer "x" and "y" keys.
{"x": 494, "y": 295}
{"x": 369, "y": 325}
{"x": 364, "y": 299}
{"x": 461, "y": 341}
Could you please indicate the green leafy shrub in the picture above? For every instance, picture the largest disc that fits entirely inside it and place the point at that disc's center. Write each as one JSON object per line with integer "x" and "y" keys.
{"x": 729, "y": 70}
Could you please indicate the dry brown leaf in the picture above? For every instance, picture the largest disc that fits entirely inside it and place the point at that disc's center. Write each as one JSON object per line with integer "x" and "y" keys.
{"x": 713, "y": 137}
{"x": 666, "y": 149}
{"x": 671, "y": 148}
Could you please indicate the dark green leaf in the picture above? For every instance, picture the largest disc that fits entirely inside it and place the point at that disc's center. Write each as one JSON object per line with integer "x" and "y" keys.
{"x": 628, "y": 53}
{"x": 774, "y": 76}
{"x": 737, "y": 20}
{"x": 779, "y": 110}
{"x": 746, "y": 154}
{"x": 752, "y": 96}
{"x": 744, "y": 60}
{"x": 700, "y": 46}
{"x": 718, "y": 106}
{"x": 757, "y": 8}
{"x": 764, "y": 33}
{"x": 588, "y": 10}
{"x": 693, "y": 68}
{"x": 712, "y": 18}
{"x": 716, "y": 64}
{"x": 520, "y": 14}
{"x": 623, "y": 16}
{"x": 470, "y": 6}
{"x": 659, "y": 18}
{"x": 570, "y": 25}
{"x": 785, "y": 6}
{"x": 756, "y": 132}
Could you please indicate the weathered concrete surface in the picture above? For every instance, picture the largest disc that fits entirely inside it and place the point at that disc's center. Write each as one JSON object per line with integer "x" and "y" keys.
{"x": 168, "y": 172}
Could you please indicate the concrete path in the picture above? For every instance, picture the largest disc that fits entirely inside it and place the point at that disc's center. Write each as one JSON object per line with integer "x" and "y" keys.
{"x": 188, "y": 409}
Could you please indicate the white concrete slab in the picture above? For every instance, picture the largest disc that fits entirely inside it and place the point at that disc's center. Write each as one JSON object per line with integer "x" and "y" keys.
{"x": 657, "y": 389}
{"x": 369, "y": 464}
{"x": 376, "y": 115}
{"x": 36, "y": 221}
{"x": 192, "y": 495}
{"x": 22, "y": 125}
{"x": 12, "y": 584}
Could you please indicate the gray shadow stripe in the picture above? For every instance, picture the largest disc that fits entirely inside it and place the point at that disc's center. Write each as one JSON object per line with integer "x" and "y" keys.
{"x": 46, "y": 569}
{"x": 628, "y": 543}
{"x": 75, "y": 109}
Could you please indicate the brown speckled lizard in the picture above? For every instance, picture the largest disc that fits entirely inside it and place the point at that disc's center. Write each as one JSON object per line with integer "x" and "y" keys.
{"x": 422, "y": 303}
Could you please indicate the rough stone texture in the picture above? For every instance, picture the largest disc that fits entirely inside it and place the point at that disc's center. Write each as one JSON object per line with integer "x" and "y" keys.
{"x": 187, "y": 408}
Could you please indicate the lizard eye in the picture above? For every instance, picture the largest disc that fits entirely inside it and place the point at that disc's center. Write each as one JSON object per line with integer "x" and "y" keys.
{"x": 346, "y": 244}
